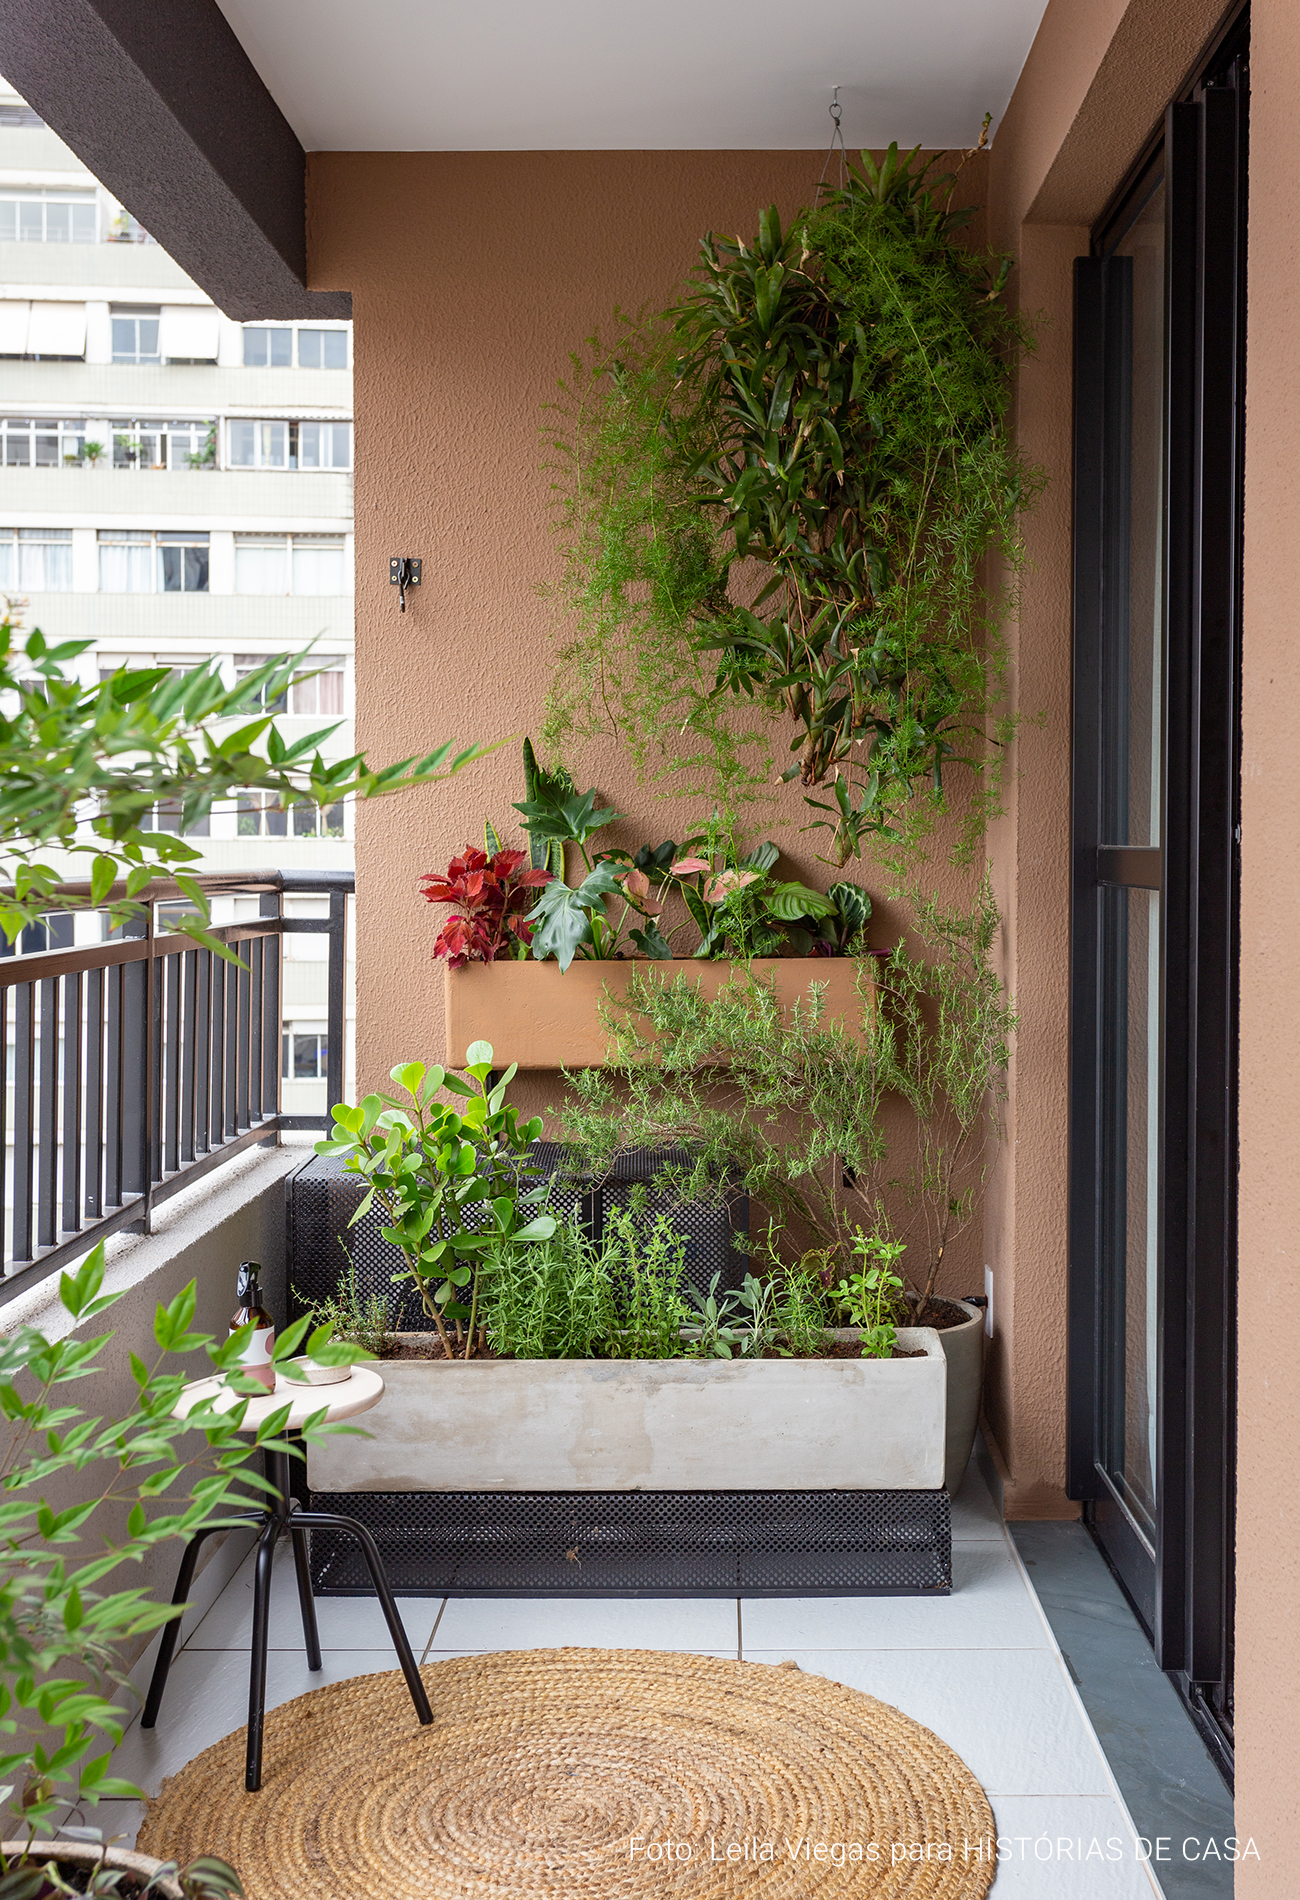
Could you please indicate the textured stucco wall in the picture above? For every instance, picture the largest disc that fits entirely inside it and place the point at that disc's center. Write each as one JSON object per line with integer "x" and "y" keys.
{"x": 1268, "y": 1529}
{"x": 474, "y": 275}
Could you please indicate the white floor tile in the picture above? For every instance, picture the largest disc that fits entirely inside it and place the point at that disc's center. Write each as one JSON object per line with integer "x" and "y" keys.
{"x": 343, "y": 1622}
{"x": 707, "y": 1623}
{"x": 1067, "y": 1849}
{"x": 1009, "y": 1714}
{"x": 975, "y": 1517}
{"x": 207, "y": 1697}
{"x": 990, "y": 1608}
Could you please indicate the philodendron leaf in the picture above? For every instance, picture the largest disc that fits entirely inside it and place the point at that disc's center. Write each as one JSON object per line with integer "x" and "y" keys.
{"x": 562, "y": 918}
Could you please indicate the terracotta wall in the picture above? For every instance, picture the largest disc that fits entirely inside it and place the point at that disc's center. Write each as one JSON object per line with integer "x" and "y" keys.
{"x": 1268, "y": 1525}
{"x": 473, "y": 277}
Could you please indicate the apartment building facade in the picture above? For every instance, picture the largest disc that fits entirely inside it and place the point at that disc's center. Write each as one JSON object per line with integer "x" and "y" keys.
{"x": 176, "y": 487}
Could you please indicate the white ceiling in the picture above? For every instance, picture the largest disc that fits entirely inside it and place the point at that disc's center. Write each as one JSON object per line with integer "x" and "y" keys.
{"x": 604, "y": 75}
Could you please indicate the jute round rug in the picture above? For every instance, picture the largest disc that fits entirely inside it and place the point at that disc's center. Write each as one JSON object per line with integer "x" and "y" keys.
{"x": 587, "y": 1774}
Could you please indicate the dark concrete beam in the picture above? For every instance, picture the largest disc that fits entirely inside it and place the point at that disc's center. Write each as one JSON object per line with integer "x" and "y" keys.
{"x": 160, "y": 101}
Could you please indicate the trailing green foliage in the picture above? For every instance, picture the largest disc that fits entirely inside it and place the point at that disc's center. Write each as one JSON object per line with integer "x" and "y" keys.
{"x": 83, "y": 767}
{"x": 779, "y": 493}
{"x": 59, "y": 1627}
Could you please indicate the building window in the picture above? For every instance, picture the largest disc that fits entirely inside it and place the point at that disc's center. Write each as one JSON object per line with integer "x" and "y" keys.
{"x": 166, "y": 816}
{"x": 324, "y": 445}
{"x": 290, "y": 564}
{"x": 310, "y": 695}
{"x": 18, "y": 112}
{"x": 135, "y": 334}
{"x": 322, "y": 349}
{"x": 127, "y": 230}
{"x": 315, "y": 445}
{"x": 139, "y": 561}
{"x": 306, "y": 1053}
{"x": 261, "y": 815}
{"x": 139, "y": 445}
{"x": 49, "y": 217}
{"x": 267, "y": 348}
{"x": 39, "y": 558}
{"x": 28, "y": 443}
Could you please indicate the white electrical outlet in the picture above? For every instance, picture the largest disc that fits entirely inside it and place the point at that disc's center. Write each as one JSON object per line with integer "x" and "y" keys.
{"x": 988, "y": 1296}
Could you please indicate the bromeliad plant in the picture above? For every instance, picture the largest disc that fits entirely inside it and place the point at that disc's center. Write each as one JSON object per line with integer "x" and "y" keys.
{"x": 779, "y": 494}
{"x": 452, "y": 1181}
{"x": 62, "y": 1615}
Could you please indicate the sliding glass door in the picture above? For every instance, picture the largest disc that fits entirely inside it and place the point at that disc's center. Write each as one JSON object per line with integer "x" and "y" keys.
{"x": 1159, "y": 309}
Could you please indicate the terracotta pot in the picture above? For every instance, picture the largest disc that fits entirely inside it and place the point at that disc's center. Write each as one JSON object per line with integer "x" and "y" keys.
{"x": 541, "y": 1017}
{"x": 70, "y": 1855}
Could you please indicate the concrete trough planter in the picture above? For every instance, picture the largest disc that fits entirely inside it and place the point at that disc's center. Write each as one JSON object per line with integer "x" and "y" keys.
{"x": 541, "y": 1017}
{"x": 650, "y": 1425}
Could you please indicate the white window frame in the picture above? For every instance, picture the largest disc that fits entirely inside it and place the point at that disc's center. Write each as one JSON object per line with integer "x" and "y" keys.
{"x": 69, "y": 434}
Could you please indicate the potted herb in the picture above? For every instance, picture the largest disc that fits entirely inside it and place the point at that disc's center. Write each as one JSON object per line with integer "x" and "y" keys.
{"x": 587, "y": 1364}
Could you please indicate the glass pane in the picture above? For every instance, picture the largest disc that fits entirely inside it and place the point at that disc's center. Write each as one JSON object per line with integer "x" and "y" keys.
{"x": 1137, "y": 791}
{"x": 196, "y": 570}
{"x": 273, "y": 439}
{"x": 31, "y": 221}
{"x": 1131, "y": 1022}
{"x": 309, "y": 348}
{"x": 8, "y": 219}
{"x": 281, "y": 348}
{"x": 261, "y": 570}
{"x": 84, "y": 224}
{"x": 241, "y": 442}
{"x": 255, "y": 349}
{"x": 317, "y": 570}
{"x": 58, "y": 224}
{"x": 342, "y": 434}
{"x": 309, "y": 444}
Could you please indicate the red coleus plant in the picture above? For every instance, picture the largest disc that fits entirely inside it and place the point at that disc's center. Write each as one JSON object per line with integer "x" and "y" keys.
{"x": 489, "y": 896}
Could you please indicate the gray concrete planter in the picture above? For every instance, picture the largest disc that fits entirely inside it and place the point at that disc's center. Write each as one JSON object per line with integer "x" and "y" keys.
{"x": 650, "y": 1425}
{"x": 963, "y": 1349}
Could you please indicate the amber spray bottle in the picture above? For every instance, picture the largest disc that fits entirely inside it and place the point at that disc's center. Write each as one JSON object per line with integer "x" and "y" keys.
{"x": 255, "y": 1360}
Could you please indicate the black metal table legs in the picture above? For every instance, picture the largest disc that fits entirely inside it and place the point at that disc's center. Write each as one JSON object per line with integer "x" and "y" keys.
{"x": 280, "y": 1517}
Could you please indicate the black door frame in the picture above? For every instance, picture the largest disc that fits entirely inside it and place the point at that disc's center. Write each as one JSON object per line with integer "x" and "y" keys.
{"x": 1184, "y": 1591}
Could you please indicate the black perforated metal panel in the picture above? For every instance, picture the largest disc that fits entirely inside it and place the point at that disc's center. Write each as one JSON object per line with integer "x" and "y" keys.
{"x": 642, "y": 1543}
{"x": 323, "y": 1199}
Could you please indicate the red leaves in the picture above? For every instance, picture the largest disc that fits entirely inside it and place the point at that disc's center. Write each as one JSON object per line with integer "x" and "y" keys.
{"x": 490, "y": 896}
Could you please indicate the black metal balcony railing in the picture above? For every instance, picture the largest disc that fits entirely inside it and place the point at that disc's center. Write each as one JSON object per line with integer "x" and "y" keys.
{"x": 142, "y": 1062}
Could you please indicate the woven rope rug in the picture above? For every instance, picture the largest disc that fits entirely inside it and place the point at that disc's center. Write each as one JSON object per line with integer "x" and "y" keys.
{"x": 587, "y": 1774}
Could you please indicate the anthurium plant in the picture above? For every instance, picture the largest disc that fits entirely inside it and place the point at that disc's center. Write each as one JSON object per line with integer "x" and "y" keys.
{"x": 453, "y": 1181}
{"x": 62, "y": 1617}
{"x": 621, "y": 906}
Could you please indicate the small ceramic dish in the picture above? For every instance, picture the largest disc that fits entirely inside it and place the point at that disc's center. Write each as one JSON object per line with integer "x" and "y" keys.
{"x": 322, "y": 1375}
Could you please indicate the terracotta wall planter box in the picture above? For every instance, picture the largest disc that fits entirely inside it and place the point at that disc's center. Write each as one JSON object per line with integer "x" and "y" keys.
{"x": 544, "y": 1018}
{"x": 650, "y": 1424}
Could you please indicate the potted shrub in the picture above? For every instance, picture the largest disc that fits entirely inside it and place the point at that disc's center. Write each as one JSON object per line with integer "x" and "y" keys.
{"x": 587, "y": 1366}
{"x": 60, "y": 1630}
{"x": 790, "y": 1108}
